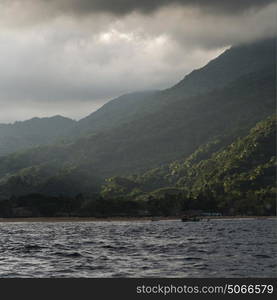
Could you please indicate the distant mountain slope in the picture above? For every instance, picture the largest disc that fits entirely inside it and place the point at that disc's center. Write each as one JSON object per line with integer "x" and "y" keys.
{"x": 37, "y": 131}
{"x": 172, "y": 126}
{"x": 116, "y": 112}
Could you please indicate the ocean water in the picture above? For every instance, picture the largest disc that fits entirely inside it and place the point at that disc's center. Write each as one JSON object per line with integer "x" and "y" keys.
{"x": 219, "y": 248}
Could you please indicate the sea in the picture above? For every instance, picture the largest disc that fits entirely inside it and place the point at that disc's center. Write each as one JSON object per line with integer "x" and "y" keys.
{"x": 165, "y": 249}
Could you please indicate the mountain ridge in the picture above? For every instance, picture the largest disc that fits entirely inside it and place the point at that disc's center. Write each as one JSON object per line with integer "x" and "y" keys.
{"x": 33, "y": 132}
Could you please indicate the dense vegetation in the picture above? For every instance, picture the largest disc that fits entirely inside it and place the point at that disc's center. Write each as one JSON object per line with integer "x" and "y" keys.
{"x": 239, "y": 178}
{"x": 176, "y": 140}
{"x": 236, "y": 179}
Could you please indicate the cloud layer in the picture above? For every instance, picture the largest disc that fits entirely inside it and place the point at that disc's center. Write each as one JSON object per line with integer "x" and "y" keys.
{"x": 69, "y": 56}
{"x": 124, "y": 7}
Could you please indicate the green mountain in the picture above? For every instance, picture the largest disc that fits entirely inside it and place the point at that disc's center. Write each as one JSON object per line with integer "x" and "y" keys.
{"x": 238, "y": 178}
{"x": 30, "y": 133}
{"x": 229, "y": 177}
{"x": 138, "y": 132}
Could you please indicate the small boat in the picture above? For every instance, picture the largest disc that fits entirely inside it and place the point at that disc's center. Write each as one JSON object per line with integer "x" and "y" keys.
{"x": 155, "y": 219}
{"x": 190, "y": 219}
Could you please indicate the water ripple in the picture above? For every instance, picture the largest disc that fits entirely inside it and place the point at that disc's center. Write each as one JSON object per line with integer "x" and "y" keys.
{"x": 222, "y": 248}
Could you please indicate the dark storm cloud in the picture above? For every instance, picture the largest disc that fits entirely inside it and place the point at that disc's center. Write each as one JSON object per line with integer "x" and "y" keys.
{"x": 70, "y": 56}
{"x": 121, "y": 7}
{"x": 79, "y": 8}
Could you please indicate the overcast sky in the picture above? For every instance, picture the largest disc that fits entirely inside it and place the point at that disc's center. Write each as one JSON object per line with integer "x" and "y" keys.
{"x": 69, "y": 57}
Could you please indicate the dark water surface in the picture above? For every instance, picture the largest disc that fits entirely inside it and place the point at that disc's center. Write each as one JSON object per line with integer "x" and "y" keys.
{"x": 219, "y": 248}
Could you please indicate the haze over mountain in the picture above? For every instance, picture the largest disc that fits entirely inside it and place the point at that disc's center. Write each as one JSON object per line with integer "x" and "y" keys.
{"x": 231, "y": 65}
{"x": 34, "y": 132}
{"x": 70, "y": 57}
{"x": 225, "y": 98}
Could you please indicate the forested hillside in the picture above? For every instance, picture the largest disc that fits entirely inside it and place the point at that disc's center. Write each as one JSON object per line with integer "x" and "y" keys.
{"x": 211, "y": 107}
{"x": 239, "y": 178}
{"x": 230, "y": 178}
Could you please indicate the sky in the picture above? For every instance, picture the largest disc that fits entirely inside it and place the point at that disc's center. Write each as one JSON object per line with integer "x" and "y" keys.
{"x": 69, "y": 57}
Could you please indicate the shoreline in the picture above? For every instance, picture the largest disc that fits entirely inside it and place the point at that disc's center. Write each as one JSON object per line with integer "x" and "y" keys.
{"x": 118, "y": 219}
